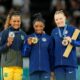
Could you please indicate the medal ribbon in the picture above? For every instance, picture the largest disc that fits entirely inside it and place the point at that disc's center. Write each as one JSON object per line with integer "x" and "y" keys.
{"x": 62, "y": 34}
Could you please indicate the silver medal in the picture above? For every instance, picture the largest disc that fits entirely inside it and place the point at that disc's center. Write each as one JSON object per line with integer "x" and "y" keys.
{"x": 11, "y": 34}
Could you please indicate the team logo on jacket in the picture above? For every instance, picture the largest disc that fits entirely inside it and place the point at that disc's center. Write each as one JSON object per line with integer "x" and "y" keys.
{"x": 44, "y": 39}
{"x": 22, "y": 37}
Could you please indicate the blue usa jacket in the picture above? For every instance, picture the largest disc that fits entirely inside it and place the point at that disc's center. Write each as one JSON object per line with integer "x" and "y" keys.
{"x": 59, "y": 49}
{"x": 39, "y": 54}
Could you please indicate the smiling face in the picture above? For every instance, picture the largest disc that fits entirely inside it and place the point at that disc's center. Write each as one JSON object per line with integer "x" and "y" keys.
{"x": 60, "y": 19}
{"x": 38, "y": 27}
{"x": 15, "y": 21}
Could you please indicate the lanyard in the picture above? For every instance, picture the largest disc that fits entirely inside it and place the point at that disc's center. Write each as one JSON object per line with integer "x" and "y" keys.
{"x": 61, "y": 35}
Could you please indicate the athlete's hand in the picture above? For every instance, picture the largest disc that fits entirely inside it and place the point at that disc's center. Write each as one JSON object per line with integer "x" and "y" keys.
{"x": 30, "y": 40}
{"x": 68, "y": 38}
{"x": 10, "y": 41}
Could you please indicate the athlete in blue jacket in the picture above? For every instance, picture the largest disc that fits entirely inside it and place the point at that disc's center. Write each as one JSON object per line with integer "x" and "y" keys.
{"x": 64, "y": 68}
{"x": 12, "y": 40}
{"x": 38, "y": 48}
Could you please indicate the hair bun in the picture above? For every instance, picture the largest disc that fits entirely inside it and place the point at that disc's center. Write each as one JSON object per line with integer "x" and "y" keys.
{"x": 37, "y": 16}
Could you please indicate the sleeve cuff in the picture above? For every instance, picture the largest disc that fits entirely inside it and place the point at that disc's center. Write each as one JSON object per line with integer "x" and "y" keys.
{"x": 72, "y": 42}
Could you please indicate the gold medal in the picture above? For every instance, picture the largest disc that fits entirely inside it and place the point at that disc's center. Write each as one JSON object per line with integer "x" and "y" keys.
{"x": 34, "y": 40}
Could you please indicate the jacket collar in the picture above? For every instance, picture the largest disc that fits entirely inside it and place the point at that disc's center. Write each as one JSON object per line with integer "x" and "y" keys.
{"x": 12, "y": 29}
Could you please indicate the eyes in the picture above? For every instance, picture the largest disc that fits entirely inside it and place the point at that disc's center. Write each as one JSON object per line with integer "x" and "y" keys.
{"x": 41, "y": 26}
{"x": 38, "y": 25}
{"x": 58, "y": 19}
{"x": 16, "y": 21}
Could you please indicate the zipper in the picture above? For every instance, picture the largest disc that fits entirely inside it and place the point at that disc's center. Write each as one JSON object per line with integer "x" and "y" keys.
{"x": 17, "y": 53}
{"x": 39, "y": 54}
{"x": 5, "y": 57}
{"x": 61, "y": 60}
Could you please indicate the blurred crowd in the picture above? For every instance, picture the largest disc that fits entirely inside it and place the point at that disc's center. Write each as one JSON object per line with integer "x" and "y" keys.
{"x": 71, "y": 8}
{"x": 7, "y": 6}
